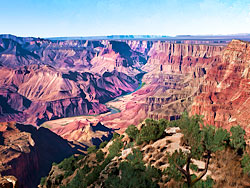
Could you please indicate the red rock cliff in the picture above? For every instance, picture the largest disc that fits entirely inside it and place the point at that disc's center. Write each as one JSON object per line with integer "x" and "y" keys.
{"x": 180, "y": 58}
{"x": 225, "y": 96}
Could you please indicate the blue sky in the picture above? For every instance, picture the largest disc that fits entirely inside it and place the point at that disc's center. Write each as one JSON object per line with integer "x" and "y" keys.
{"x": 51, "y": 18}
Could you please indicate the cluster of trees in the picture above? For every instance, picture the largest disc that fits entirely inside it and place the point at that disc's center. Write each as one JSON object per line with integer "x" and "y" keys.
{"x": 68, "y": 165}
{"x": 153, "y": 130}
{"x": 202, "y": 141}
{"x": 87, "y": 176}
{"x": 133, "y": 173}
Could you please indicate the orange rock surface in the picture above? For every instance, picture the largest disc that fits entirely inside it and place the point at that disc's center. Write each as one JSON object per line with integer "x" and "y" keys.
{"x": 225, "y": 96}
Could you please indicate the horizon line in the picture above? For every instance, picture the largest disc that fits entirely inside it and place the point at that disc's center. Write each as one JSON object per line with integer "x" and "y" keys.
{"x": 133, "y": 35}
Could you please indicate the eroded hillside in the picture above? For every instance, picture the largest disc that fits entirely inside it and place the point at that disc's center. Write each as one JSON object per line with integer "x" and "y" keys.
{"x": 160, "y": 154}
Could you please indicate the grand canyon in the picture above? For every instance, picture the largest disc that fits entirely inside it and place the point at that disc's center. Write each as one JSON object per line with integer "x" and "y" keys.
{"x": 61, "y": 96}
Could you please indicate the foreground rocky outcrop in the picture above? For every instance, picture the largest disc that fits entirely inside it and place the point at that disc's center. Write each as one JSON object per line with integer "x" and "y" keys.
{"x": 147, "y": 154}
{"x": 84, "y": 132}
{"x": 8, "y": 182}
{"x": 27, "y": 153}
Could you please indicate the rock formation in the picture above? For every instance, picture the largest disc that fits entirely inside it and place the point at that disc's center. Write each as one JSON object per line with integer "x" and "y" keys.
{"x": 42, "y": 93}
{"x": 42, "y": 80}
{"x": 225, "y": 92}
{"x": 84, "y": 132}
{"x": 27, "y": 153}
{"x": 174, "y": 76}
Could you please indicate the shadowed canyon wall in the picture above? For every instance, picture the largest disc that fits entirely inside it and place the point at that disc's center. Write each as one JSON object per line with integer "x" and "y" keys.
{"x": 27, "y": 153}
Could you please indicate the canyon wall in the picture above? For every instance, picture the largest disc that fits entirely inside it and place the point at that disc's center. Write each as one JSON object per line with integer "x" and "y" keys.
{"x": 174, "y": 77}
{"x": 28, "y": 153}
{"x": 224, "y": 100}
{"x": 175, "y": 74}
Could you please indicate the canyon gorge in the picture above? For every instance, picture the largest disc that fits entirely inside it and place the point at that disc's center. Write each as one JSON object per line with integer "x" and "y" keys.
{"x": 57, "y": 97}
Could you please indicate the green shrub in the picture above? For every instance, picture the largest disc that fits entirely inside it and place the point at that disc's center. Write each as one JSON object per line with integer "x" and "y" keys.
{"x": 43, "y": 181}
{"x": 136, "y": 159}
{"x": 164, "y": 123}
{"x": 103, "y": 144}
{"x": 80, "y": 178}
{"x": 194, "y": 167}
{"x": 129, "y": 145}
{"x": 59, "y": 179}
{"x": 134, "y": 174}
{"x": 138, "y": 140}
{"x": 179, "y": 158}
{"x": 237, "y": 139}
{"x": 152, "y": 131}
{"x": 68, "y": 165}
{"x": 115, "y": 136}
{"x": 208, "y": 183}
{"x": 115, "y": 148}
{"x": 206, "y": 141}
{"x": 91, "y": 149}
{"x": 214, "y": 139}
{"x": 100, "y": 156}
{"x": 245, "y": 163}
{"x": 132, "y": 131}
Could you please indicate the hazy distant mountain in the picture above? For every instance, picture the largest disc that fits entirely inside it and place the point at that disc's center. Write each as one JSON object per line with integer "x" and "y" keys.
{"x": 245, "y": 36}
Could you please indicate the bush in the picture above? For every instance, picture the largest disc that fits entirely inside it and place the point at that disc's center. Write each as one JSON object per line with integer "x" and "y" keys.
{"x": 79, "y": 179}
{"x": 91, "y": 149}
{"x": 132, "y": 131}
{"x": 138, "y": 140}
{"x": 43, "y": 181}
{"x": 237, "y": 140}
{"x": 133, "y": 174}
{"x": 68, "y": 165}
{"x": 208, "y": 183}
{"x": 245, "y": 163}
{"x": 152, "y": 131}
{"x": 100, "y": 156}
{"x": 115, "y": 136}
{"x": 214, "y": 139}
{"x": 59, "y": 179}
{"x": 129, "y": 145}
{"x": 164, "y": 123}
{"x": 206, "y": 141}
{"x": 115, "y": 148}
{"x": 103, "y": 144}
{"x": 179, "y": 158}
